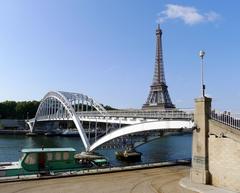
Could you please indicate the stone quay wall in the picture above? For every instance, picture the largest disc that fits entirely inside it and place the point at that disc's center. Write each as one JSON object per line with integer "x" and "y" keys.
{"x": 224, "y": 156}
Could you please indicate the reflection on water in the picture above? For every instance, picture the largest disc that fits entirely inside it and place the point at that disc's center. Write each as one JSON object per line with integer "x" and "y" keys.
{"x": 164, "y": 148}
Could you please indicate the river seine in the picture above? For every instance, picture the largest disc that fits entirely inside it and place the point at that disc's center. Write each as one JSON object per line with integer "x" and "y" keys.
{"x": 169, "y": 147}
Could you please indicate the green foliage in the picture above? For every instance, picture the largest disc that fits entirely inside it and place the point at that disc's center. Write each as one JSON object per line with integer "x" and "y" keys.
{"x": 18, "y": 110}
{"x": 26, "y": 109}
{"x": 109, "y": 108}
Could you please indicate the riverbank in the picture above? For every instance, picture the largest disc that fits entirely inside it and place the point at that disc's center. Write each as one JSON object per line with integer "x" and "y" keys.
{"x": 161, "y": 180}
{"x": 13, "y": 132}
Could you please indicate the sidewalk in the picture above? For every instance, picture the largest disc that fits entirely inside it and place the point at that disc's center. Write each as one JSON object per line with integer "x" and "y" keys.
{"x": 154, "y": 180}
{"x": 190, "y": 187}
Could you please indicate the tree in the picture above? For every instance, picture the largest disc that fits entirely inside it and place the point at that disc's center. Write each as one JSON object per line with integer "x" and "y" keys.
{"x": 7, "y": 110}
{"x": 18, "y": 110}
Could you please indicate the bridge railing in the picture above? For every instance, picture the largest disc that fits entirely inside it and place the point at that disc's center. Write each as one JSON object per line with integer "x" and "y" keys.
{"x": 53, "y": 117}
{"x": 163, "y": 114}
{"x": 227, "y": 118}
{"x": 132, "y": 113}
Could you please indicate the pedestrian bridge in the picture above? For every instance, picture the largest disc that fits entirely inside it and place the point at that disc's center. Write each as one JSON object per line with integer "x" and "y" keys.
{"x": 79, "y": 108}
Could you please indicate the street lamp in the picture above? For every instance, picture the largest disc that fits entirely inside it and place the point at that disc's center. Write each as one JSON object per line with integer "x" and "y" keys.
{"x": 201, "y": 54}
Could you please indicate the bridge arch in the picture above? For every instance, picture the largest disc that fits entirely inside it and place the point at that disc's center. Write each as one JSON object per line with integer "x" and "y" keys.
{"x": 65, "y": 104}
{"x": 145, "y": 126}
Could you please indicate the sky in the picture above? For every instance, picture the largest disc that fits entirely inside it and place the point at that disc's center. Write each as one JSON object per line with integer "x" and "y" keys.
{"x": 106, "y": 49}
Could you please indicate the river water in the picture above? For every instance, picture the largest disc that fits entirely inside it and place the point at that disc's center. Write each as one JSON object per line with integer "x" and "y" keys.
{"x": 165, "y": 148}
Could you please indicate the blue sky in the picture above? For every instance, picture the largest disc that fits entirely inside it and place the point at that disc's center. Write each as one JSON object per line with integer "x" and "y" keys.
{"x": 106, "y": 49}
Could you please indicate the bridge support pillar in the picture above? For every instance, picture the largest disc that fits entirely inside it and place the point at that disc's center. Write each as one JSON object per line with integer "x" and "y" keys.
{"x": 199, "y": 171}
{"x": 30, "y": 125}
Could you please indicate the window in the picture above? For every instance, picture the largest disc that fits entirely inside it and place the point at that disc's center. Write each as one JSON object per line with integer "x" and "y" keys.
{"x": 65, "y": 155}
{"x": 58, "y": 156}
{"x": 49, "y": 156}
{"x": 31, "y": 158}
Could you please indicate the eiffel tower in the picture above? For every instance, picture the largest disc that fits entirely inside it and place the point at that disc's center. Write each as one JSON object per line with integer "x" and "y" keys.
{"x": 158, "y": 97}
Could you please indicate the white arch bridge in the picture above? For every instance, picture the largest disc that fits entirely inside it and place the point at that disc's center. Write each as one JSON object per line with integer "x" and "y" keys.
{"x": 79, "y": 108}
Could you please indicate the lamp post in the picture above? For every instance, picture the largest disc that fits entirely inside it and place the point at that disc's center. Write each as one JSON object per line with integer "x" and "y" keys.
{"x": 201, "y": 54}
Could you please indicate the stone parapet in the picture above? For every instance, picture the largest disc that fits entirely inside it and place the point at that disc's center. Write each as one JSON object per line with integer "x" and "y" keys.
{"x": 187, "y": 186}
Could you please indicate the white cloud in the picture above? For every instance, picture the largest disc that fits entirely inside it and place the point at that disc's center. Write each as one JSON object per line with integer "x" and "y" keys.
{"x": 189, "y": 15}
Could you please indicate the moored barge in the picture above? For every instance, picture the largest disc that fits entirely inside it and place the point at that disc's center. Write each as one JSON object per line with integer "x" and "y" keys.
{"x": 48, "y": 160}
{"x": 129, "y": 155}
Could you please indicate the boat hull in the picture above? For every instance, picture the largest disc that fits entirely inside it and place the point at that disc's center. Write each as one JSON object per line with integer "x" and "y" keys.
{"x": 128, "y": 156}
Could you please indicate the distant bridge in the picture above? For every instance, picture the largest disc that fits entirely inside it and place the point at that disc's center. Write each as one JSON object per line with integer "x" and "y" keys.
{"x": 57, "y": 106}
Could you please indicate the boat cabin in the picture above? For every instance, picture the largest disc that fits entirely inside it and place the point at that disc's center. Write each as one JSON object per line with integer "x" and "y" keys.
{"x": 48, "y": 159}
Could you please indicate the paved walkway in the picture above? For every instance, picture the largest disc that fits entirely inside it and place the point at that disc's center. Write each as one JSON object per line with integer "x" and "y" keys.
{"x": 200, "y": 188}
{"x": 156, "y": 180}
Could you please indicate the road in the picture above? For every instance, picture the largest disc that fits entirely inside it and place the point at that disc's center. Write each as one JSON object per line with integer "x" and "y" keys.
{"x": 156, "y": 180}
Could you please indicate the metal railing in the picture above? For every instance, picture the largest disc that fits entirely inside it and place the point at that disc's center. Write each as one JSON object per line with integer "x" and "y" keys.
{"x": 132, "y": 113}
{"x": 232, "y": 120}
{"x": 163, "y": 114}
